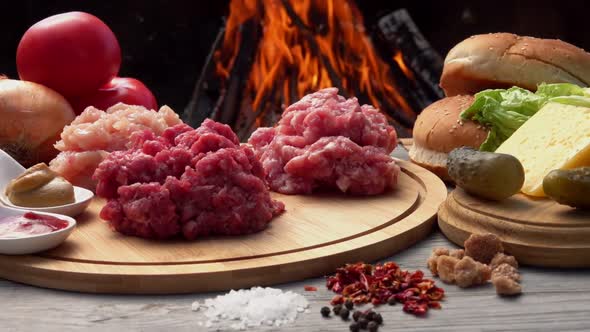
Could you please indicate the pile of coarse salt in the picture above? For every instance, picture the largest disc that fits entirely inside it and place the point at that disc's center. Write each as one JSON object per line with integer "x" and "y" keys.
{"x": 252, "y": 308}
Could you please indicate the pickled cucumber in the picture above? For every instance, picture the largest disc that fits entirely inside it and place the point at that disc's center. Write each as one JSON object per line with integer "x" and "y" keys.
{"x": 569, "y": 187}
{"x": 494, "y": 176}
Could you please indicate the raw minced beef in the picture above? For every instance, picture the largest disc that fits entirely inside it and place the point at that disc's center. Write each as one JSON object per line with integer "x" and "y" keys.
{"x": 190, "y": 182}
{"x": 327, "y": 141}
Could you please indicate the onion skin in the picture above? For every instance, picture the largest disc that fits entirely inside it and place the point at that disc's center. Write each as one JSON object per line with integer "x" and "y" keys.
{"x": 32, "y": 118}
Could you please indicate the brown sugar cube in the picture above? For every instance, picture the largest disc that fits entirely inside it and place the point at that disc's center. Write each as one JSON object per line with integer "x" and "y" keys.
{"x": 436, "y": 252}
{"x": 470, "y": 273}
{"x": 483, "y": 247}
{"x": 506, "y": 286}
{"x": 431, "y": 262}
{"x": 446, "y": 268}
{"x": 457, "y": 253}
{"x": 440, "y": 251}
{"x": 502, "y": 258}
{"x": 507, "y": 271}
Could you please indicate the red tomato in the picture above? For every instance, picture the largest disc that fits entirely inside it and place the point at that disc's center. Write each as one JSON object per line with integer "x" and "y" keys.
{"x": 73, "y": 53}
{"x": 120, "y": 90}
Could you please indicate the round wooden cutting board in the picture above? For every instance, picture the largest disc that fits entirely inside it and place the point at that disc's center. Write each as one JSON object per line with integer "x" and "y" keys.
{"x": 536, "y": 231}
{"x": 314, "y": 236}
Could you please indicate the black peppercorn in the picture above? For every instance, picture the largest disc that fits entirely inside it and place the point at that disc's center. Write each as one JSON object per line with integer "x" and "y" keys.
{"x": 371, "y": 315}
{"x": 363, "y": 322}
{"x": 373, "y": 326}
{"x": 348, "y": 304}
{"x": 325, "y": 311}
{"x": 356, "y": 315}
{"x": 344, "y": 313}
{"x": 378, "y": 319}
{"x": 337, "y": 309}
{"x": 391, "y": 301}
{"x": 354, "y": 327}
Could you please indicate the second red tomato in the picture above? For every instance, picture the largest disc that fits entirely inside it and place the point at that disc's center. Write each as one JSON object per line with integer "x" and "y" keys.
{"x": 120, "y": 90}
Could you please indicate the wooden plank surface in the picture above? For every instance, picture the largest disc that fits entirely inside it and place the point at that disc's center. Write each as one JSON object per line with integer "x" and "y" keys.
{"x": 553, "y": 300}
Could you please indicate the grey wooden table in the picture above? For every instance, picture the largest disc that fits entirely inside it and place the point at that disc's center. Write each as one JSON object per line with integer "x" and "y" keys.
{"x": 553, "y": 300}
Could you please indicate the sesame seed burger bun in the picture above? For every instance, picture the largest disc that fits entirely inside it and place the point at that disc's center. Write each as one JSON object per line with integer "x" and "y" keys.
{"x": 439, "y": 129}
{"x": 503, "y": 60}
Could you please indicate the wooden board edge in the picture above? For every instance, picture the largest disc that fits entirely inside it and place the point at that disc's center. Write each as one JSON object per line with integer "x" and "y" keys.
{"x": 37, "y": 271}
{"x": 281, "y": 271}
{"x": 457, "y": 224}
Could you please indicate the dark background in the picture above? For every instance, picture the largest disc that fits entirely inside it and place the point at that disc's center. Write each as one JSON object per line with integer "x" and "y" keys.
{"x": 164, "y": 43}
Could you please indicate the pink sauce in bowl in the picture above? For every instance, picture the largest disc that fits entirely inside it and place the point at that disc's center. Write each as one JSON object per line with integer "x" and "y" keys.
{"x": 29, "y": 224}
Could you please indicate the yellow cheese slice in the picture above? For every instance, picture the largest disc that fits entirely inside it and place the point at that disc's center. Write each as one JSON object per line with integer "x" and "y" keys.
{"x": 556, "y": 137}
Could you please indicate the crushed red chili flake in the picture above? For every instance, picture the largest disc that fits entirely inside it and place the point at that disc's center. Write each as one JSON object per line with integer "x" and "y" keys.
{"x": 310, "y": 288}
{"x": 364, "y": 283}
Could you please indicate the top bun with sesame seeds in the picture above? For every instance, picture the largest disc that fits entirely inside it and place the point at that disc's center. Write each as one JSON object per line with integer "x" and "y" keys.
{"x": 438, "y": 130}
{"x": 502, "y": 60}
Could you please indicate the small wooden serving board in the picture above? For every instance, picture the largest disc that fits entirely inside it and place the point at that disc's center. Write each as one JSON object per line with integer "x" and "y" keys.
{"x": 314, "y": 236}
{"x": 536, "y": 231}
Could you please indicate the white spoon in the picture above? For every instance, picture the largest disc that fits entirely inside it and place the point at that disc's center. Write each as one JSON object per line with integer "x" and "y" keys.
{"x": 10, "y": 169}
{"x": 34, "y": 243}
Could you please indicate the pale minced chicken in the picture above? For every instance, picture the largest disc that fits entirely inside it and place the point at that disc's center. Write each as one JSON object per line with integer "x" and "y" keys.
{"x": 90, "y": 138}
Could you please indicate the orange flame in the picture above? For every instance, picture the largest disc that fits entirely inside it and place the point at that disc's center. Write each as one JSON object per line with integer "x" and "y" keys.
{"x": 286, "y": 56}
{"x": 399, "y": 59}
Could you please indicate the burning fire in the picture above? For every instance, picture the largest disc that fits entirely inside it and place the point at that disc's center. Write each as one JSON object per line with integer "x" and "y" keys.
{"x": 307, "y": 45}
{"x": 399, "y": 59}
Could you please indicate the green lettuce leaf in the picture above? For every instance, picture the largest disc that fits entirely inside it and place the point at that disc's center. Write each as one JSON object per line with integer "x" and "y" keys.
{"x": 572, "y": 100}
{"x": 492, "y": 142}
{"x": 505, "y": 110}
{"x": 559, "y": 89}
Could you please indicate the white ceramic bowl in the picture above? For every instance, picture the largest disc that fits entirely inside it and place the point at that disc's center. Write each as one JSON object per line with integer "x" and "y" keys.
{"x": 34, "y": 243}
{"x": 82, "y": 196}
{"x": 10, "y": 169}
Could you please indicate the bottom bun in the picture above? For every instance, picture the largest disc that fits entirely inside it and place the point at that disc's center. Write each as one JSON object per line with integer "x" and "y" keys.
{"x": 434, "y": 161}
